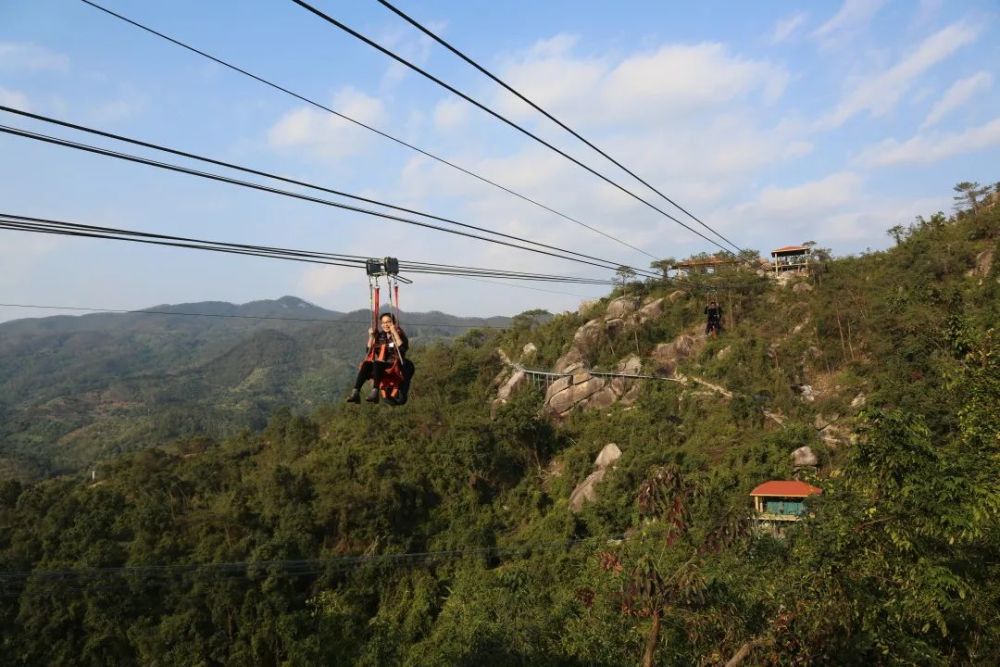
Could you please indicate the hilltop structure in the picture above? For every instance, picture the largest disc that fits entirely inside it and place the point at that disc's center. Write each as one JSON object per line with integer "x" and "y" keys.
{"x": 791, "y": 258}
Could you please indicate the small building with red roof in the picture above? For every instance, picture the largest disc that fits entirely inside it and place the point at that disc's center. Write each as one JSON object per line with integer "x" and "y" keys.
{"x": 779, "y": 502}
{"x": 791, "y": 258}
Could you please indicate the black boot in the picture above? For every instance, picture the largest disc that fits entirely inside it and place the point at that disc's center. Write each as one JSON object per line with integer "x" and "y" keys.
{"x": 355, "y": 397}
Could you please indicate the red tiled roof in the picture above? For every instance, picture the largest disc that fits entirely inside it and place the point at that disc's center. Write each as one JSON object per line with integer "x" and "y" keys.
{"x": 789, "y": 248}
{"x": 786, "y": 489}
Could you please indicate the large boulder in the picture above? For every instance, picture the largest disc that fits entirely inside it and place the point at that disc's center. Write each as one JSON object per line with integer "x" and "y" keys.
{"x": 608, "y": 455}
{"x": 569, "y": 361}
{"x": 528, "y": 351}
{"x": 621, "y": 307}
{"x": 586, "y": 491}
{"x": 588, "y": 334}
{"x": 566, "y": 393}
{"x": 804, "y": 456}
{"x": 516, "y": 381}
{"x": 651, "y": 311}
{"x": 984, "y": 261}
{"x": 676, "y": 295}
{"x": 666, "y": 356}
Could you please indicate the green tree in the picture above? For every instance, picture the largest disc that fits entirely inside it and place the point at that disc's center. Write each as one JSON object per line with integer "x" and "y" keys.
{"x": 663, "y": 265}
{"x": 969, "y": 196}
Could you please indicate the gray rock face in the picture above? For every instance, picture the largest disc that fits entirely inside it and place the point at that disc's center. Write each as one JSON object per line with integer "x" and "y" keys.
{"x": 516, "y": 381}
{"x": 571, "y": 360}
{"x": 651, "y": 311}
{"x": 608, "y": 455}
{"x": 586, "y": 391}
{"x": 621, "y": 307}
{"x": 984, "y": 262}
{"x": 676, "y": 296}
{"x": 666, "y": 356}
{"x": 586, "y": 491}
{"x": 804, "y": 456}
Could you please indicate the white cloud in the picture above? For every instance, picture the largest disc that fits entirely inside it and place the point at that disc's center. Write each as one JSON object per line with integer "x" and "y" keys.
{"x": 670, "y": 81}
{"x": 787, "y": 26}
{"x": 927, "y": 149}
{"x": 958, "y": 94}
{"x": 808, "y": 199}
{"x": 879, "y": 94}
{"x": 450, "y": 114}
{"x": 14, "y": 98}
{"x": 853, "y": 17}
{"x": 24, "y": 56}
{"x": 324, "y": 135}
{"x": 328, "y": 283}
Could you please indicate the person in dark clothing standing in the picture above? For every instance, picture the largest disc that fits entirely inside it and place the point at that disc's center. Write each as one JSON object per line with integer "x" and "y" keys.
{"x": 385, "y": 347}
{"x": 714, "y": 313}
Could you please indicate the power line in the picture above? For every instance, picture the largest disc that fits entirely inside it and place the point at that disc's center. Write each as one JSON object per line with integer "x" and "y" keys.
{"x": 264, "y": 188}
{"x": 292, "y": 181}
{"x": 349, "y": 119}
{"x": 558, "y": 122}
{"x": 502, "y": 118}
{"x": 42, "y": 225}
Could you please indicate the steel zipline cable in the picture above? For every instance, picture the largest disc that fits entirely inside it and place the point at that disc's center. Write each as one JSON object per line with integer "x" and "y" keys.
{"x": 574, "y": 256}
{"x": 359, "y": 123}
{"x": 76, "y": 578}
{"x": 545, "y": 113}
{"x": 47, "y": 226}
{"x": 416, "y": 68}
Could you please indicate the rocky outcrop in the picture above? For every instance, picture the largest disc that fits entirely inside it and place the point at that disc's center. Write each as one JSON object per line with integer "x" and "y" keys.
{"x": 984, "y": 262}
{"x": 804, "y": 456}
{"x": 621, "y": 307}
{"x": 586, "y": 491}
{"x": 666, "y": 356}
{"x": 650, "y": 311}
{"x": 582, "y": 389}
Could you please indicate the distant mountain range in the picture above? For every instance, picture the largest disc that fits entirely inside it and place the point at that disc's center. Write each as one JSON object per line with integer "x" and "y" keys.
{"x": 76, "y": 389}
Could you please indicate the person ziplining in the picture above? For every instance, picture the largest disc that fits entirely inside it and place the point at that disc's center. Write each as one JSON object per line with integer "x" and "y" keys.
{"x": 385, "y": 362}
{"x": 713, "y": 311}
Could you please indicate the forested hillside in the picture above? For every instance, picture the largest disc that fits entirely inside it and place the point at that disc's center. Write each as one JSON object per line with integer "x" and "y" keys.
{"x": 441, "y": 533}
{"x": 77, "y": 390}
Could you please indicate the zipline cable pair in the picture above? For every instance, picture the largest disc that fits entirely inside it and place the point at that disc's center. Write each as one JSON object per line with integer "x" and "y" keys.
{"x": 555, "y": 252}
{"x": 359, "y": 123}
{"x": 416, "y": 68}
{"x": 42, "y": 225}
{"x": 545, "y": 113}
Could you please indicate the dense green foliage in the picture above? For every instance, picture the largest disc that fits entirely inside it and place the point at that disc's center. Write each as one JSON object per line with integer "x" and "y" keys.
{"x": 437, "y": 534}
{"x": 76, "y": 390}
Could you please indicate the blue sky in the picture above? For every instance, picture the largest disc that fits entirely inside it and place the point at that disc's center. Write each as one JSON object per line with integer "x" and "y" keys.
{"x": 775, "y": 122}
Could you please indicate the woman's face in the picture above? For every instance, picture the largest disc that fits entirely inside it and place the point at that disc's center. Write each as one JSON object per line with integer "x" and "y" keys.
{"x": 386, "y": 323}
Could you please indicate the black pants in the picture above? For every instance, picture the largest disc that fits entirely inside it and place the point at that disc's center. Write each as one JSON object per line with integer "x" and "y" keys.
{"x": 373, "y": 370}
{"x": 715, "y": 325}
